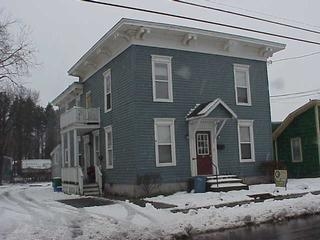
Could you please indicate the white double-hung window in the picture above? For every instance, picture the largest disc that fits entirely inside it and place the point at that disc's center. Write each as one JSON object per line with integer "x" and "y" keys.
{"x": 109, "y": 147}
{"x": 246, "y": 140}
{"x": 162, "y": 78}
{"x": 164, "y": 142}
{"x": 242, "y": 84}
{"x": 107, "y": 90}
{"x": 296, "y": 149}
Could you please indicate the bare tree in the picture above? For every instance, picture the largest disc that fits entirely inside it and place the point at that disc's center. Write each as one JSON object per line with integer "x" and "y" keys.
{"x": 16, "y": 52}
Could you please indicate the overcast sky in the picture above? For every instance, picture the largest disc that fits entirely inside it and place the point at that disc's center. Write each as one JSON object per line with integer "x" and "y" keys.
{"x": 63, "y": 30}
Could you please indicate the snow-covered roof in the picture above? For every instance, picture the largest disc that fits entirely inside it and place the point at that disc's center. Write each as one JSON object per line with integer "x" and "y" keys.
{"x": 204, "y": 109}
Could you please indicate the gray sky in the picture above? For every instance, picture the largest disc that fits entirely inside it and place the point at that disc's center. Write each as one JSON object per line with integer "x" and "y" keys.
{"x": 63, "y": 30}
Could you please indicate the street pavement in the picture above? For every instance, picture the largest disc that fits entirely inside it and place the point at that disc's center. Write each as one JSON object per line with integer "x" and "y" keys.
{"x": 305, "y": 228}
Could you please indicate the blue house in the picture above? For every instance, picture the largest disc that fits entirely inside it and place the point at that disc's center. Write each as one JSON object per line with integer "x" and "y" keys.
{"x": 157, "y": 103}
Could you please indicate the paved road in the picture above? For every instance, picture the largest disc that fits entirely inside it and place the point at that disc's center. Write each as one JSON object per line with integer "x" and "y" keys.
{"x": 307, "y": 228}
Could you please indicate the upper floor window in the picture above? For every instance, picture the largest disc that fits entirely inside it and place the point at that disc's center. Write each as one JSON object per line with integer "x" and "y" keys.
{"x": 162, "y": 78}
{"x": 164, "y": 142}
{"x": 296, "y": 149}
{"x": 242, "y": 84}
{"x": 246, "y": 140}
{"x": 109, "y": 147}
{"x": 107, "y": 91}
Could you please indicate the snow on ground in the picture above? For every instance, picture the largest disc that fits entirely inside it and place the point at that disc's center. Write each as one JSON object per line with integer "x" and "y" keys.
{"x": 194, "y": 200}
{"x": 33, "y": 213}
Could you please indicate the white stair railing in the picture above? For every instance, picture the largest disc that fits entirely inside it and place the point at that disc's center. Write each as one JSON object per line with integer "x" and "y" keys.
{"x": 80, "y": 180}
{"x": 98, "y": 175}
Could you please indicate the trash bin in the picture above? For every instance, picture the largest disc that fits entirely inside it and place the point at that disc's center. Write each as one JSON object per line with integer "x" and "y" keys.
{"x": 200, "y": 184}
{"x": 56, "y": 184}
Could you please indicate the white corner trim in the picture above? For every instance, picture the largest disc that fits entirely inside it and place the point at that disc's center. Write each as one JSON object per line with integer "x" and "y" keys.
{"x": 317, "y": 107}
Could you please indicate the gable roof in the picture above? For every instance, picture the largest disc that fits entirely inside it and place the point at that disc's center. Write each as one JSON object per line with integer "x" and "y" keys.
{"x": 289, "y": 119}
{"x": 203, "y": 110}
{"x": 137, "y": 32}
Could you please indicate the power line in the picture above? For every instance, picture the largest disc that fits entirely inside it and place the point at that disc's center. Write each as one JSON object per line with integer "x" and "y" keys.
{"x": 247, "y": 16}
{"x": 296, "y": 57}
{"x": 202, "y": 21}
{"x": 295, "y": 95}
{"x": 262, "y": 13}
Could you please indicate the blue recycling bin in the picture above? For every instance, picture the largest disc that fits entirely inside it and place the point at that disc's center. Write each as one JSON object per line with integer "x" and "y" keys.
{"x": 200, "y": 184}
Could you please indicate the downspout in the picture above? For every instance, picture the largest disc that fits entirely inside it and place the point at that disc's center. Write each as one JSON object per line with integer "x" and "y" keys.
{"x": 316, "y": 108}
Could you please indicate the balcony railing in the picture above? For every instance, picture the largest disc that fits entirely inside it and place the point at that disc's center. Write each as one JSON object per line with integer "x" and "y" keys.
{"x": 79, "y": 115}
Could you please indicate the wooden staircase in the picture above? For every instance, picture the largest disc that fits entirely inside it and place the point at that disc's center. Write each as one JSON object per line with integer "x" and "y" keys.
{"x": 225, "y": 183}
{"x": 91, "y": 189}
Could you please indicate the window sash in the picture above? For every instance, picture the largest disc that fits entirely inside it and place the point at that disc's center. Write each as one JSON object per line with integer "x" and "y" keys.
{"x": 246, "y": 142}
{"x": 109, "y": 147}
{"x": 242, "y": 83}
{"x": 159, "y": 77}
{"x": 296, "y": 150}
{"x": 160, "y": 146}
{"x": 107, "y": 91}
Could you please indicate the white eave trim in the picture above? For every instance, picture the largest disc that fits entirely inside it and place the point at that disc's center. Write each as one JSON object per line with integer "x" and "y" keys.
{"x": 266, "y": 48}
{"x": 62, "y": 97}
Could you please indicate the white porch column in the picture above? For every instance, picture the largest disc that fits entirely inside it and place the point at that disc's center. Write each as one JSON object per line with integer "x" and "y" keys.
{"x": 69, "y": 148}
{"x": 62, "y": 150}
{"x": 75, "y": 148}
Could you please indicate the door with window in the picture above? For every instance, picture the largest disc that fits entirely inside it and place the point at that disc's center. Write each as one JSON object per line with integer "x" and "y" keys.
{"x": 204, "y": 154}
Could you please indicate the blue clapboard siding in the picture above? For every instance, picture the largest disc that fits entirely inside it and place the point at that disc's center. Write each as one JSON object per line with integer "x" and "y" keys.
{"x": 197, "y": 78}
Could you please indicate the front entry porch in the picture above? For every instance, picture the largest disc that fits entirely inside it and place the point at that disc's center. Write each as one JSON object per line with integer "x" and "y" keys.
{"x": 80, "y": 173}
{"x": 206, "y": 121}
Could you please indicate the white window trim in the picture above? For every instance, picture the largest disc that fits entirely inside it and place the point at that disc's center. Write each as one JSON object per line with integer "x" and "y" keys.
{"x": 166, "y": 60}
{"x": 105, "y": 74}
{"x": 107, "y": 130}
{"x": 246, "y": 123}
{"x": 165, "y": 121}
{"x": 300, "y": 146}
{"x": 245, "y": 68}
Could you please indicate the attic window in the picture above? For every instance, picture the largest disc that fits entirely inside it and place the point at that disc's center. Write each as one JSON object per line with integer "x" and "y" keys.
{"x": 162, "y": 79}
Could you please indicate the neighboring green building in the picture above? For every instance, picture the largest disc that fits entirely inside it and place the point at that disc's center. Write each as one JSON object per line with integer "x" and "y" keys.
{"x": 297, "y": 141}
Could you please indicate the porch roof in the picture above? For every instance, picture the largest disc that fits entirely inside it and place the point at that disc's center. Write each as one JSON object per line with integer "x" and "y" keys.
{"x": 205, "y": 109}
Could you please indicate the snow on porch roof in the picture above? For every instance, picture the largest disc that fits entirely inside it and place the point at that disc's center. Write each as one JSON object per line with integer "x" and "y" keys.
{"x": 204, "y": 109}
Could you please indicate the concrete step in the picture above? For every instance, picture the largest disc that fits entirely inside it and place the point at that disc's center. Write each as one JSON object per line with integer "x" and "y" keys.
{"x": 225, "y": 180}
{"x": 91, "y": 189}
{"x": 91, "y": 185}
{"x": 221, "y": 176}
{"x": 225, "y": 187}
{"x": 95, "y": 193}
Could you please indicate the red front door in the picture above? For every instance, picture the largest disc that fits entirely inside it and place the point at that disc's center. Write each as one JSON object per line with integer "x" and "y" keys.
{"x": 204, "y": 155}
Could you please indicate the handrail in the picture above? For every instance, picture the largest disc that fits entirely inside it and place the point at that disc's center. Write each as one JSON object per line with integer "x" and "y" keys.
{"x": 216, "y": 168}
{"x": 98, "y": 175}
{"x": 80, "y": 180}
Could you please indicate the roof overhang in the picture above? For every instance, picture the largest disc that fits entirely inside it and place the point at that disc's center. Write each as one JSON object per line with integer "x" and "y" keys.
{"x": 290, "y": 118}
{"x": 136, "y": 32}
{"x": 204, "y": 110}
{"x": 70, "y": 93}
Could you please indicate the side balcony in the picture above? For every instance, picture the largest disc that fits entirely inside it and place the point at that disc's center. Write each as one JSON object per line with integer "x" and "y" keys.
{"x": 80, "y": 118}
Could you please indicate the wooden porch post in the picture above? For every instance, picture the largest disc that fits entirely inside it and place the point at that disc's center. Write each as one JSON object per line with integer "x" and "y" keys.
{"x": 69, "y": 153}
{"x": 62, "y": 150}
{"x": 76, "y": 148}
